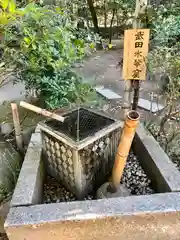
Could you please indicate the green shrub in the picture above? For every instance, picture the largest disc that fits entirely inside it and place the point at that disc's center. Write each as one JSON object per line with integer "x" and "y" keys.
{"x": 42, "y": 45}
{"x": 60, "y": 88}
{"x": 166, "y": 52}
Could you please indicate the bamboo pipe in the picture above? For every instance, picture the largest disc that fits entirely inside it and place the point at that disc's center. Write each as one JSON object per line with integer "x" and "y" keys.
{"x": 41, "y": 111}
{"x": 17, "y": 126}
{"x": 127, "y": 136}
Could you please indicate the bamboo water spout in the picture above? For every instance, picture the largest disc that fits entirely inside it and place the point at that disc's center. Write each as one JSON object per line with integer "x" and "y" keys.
{"x": 127, "y": 136}
{"x": 41, "y": 111}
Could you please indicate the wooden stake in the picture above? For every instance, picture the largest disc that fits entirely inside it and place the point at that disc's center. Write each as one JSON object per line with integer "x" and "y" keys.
{"x": 127, "y": 97}
{"x": 17, "y": 127}
{"x": 140, "y": 8}
{"x": 136, "y": 95}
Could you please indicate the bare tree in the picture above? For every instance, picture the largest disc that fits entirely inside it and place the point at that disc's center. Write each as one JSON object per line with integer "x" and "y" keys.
{"x": 105, "y": 15}
{"x": 111, "y": 25}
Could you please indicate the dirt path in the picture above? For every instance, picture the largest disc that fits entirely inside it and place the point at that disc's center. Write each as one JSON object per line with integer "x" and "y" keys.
{"x": 101, "y": 69}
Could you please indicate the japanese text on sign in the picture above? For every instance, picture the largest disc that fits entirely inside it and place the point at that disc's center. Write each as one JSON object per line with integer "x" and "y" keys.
{"x": 136, "y": 43}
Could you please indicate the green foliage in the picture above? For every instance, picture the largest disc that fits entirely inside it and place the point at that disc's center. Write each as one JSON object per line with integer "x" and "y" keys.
{"x": 104, "y": 11}
{"x": 166, "y": 51}
{"x": 10, "y": 165}
{"x": 167, "y": 31}
{"x": 165, "y": 56}
{"x": 45, "y": 40}
{"x": 8, "y": 12}
{"x": 124, "y": 11}
{"x": 168, "y": 8}
{"x": 169, "y": 141}
{"x": 22, "y": 3}
{"x": 61, "y": 88}
{"x": 168, "y": 60}
{"x": 156, "y": 14}
{"x": 42, "y": 45}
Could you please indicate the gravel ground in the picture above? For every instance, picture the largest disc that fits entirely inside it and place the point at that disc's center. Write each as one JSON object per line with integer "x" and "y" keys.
{"x": 134, "y": 178}
{"x": 56, "y": 193}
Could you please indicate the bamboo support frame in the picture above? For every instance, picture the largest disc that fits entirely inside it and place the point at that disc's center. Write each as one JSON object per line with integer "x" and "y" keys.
{"x": 41, "y": 111}
{"x": 127, "y": 136}
{"x": 17, "y": 126}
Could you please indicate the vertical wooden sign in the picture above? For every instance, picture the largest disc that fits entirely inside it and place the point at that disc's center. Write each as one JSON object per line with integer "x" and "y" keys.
{"x": 136, "y": 44}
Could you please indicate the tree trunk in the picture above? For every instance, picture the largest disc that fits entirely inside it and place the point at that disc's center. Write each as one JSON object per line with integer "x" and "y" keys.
{"x": 105, "y": 15}
{"x": 110, "y": 29}
{"x": 93, "y": 14}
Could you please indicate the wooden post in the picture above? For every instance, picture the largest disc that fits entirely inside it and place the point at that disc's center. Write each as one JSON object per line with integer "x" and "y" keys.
{"x": 17, "y": 126}
{"x": 127, "y": 97}
{"x": 136, "y": 94}
{"x": 140, "y": 7}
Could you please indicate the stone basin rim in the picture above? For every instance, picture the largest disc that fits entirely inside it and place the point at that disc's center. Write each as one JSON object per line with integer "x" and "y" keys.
{"x": 96, "y": 209}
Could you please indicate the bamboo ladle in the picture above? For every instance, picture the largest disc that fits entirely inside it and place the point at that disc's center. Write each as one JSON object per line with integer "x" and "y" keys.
{"x": 41, "y": 111}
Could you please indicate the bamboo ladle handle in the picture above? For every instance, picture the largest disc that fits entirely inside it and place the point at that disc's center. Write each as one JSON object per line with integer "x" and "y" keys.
{"x": 41, "y": 111}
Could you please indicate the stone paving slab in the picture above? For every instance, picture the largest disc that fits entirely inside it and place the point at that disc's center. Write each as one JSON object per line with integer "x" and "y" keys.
{"x": 146, "y": 104}
{"x": 107, "y": 93}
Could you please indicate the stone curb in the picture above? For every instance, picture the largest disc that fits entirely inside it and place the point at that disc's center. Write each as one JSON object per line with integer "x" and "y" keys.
{"x": 148, "y": 217}
{"x": 155, "y": 216}
{"x": 160, "y": 169}
{"x": 96, "y": 209}
{"x": 29, "y": 186}
{"x": 164, "y": 175}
